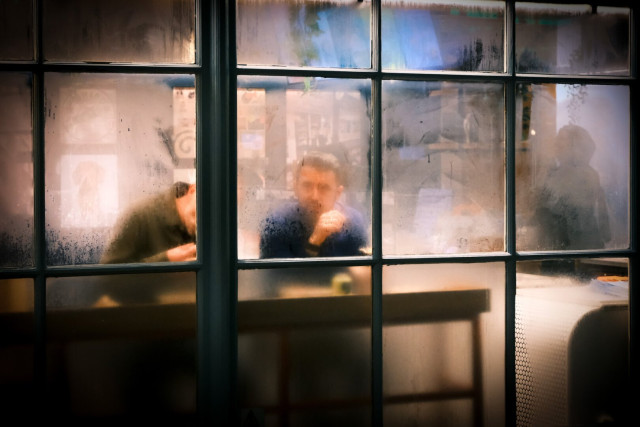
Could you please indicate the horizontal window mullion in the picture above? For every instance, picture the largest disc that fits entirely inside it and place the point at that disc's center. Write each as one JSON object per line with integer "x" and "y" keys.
{"x": 568, "y": 79}
{"x": 113, "y": 68}
{"x": 114, "y": 269}
{"x": 308, "y": 262}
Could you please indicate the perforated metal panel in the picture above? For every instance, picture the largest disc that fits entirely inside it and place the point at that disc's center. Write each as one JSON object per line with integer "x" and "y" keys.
{"x": 546, "y": 354}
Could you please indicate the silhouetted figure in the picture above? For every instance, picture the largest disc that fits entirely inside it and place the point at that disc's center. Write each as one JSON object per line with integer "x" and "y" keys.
{"x": 571, "y": 210}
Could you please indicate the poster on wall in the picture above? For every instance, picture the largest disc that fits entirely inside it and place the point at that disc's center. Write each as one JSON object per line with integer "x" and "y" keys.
{"x": 251, "y": 123}
{"x": 90, "y": 191}
{"x": 184, "y": 122}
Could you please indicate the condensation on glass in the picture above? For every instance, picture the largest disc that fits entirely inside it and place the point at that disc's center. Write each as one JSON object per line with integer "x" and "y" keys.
{"x": 443, "y": 344}
{"x": 16, "y": 30}
{"x": 314, "y": 33}
{"x": 16, "y": 347}
{"x": 452, "y": 35}
{"x": 572, "y": 39}
{"x": 142, "y": 31}
{"x": 573, "y": 166}
{"x": 283, "y": 122}
{"x": 122, "y": 347}
{"x": 16, "y": 170}
{"x": 572, "y": 342}
{"x": 304, "y": 346}
{"x": 443, "y": 167}
{"x": 113, "y": 142}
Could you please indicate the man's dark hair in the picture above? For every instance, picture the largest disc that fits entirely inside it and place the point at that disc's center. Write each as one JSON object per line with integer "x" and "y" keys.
{"x": 181, "y": 188}
{"x": 323, "y": 161}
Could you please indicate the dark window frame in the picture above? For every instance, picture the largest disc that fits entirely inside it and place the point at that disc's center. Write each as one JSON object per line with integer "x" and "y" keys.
{"x": 217, "y": 268}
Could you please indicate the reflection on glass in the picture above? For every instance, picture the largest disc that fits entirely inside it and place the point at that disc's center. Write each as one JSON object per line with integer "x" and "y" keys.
{"x": 16, "y": 30}
{"x": 120, "y": 155}
{"x": 16, "y": 347}
{"x": 572, "y": 39}
{"x": 572, "y": 342}
{"x": 458, "y": 35}
{"x": 303, "y": 167}
{"x": 119, "y": 31}
{"x": 304, "y": 346}
{"x": 330, "y": 33}
{"x": 16, "y": 164}
{"x": 443, "y": 345}
{"x": 572, "y": 167}
{"x": 122, "y": 347}
{"x": 443, "y": 167}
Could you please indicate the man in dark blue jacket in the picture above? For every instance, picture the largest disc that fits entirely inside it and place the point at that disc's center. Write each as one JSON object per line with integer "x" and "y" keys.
{"x": 316, "y": 224}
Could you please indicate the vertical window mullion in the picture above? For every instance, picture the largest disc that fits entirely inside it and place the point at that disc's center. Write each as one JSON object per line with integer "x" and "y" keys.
{"x": 39, "y": 239}
{"x": 214, "y": 302}
{"x": 510, "y": 267}
{"x": 38, "y": 117}
{"x": 510, "y": 212}
{"x": 376, "y": 274}
{"x": 634, "y": 295}
{"x": 376, "y": 220}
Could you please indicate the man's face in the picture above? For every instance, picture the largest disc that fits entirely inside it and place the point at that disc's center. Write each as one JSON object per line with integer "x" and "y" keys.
{"x": 317, "y": 190}
{"x": 187, "y": 210}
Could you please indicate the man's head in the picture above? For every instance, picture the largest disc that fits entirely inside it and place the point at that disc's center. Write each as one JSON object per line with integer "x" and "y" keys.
{"x": 318, "y": 182}
{"x": 574, "y": 145}
{"x": 186, "y": 205}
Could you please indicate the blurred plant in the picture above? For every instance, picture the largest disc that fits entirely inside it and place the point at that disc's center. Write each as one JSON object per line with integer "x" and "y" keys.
{"x": 529, "y": 62}
{"x": 477, "y": 56}
{"x": 305, "y": 24}
{"x": 577, "y": 94}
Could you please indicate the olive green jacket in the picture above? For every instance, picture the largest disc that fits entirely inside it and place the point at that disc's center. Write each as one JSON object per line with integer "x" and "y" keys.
{"x": 147, "y": 231}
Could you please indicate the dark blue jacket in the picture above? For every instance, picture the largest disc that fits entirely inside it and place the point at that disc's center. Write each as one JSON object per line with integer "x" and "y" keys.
{"x": 285, "y": 232}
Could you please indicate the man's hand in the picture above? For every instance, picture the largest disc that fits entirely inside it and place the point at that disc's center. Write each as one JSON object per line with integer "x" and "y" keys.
{"x": 328, "y": 223}
{"x": 182, "y": 253}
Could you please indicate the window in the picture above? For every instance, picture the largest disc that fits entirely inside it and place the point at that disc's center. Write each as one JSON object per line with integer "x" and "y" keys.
{"x": 408, "y": 212}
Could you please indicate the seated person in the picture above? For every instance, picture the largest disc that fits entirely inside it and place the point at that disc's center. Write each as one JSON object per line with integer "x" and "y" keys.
{"x": 316, "y": 224}
{"x": 161, "y": 228}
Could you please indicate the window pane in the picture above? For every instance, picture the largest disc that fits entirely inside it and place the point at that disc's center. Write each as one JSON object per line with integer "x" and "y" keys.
{"x": 443, "y": 167}
{"x": 16, "y": 30}
{"x": 331, "y": 33}
{"x": 573, "y": 148}
{"x": 443, "y": 345}
{"x": 304, "y": 346}
{"x": 16, "y": 348}
{"x": 120, "y": 167}
{"x": 572, "y": 342}
{"x": 572, "y": 39}
{"x": 459, "y": 35}
{"x": 288, "y": 208}
{"x": 122, "y": 348}
{"x": 119, "y": 31}
{"x": 16, "y": 164}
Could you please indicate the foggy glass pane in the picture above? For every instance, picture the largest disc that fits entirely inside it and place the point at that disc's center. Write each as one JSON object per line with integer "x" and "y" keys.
{"x": 287, "y": 209}
{"x": 16, "y": 347}
{"x": 16, "y": 171}
{"x": 304, "y": 346}
{"x": 443, "y": 167}
{"x": 443, "y": 345}
{"x": 122, "y": 348}
{"x": 457, "y": 35}
{"x": 314, "y": 33}
{"x": 572, "y": 172}
{"x": 572, "y": 39}
{"x": 119, "y": 31}
{"x": 120, "y": 161}
{"x": 16, "y": 30}
{"x": 572, "y": 342}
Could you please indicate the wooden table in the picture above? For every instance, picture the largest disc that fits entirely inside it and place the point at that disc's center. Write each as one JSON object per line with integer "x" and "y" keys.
{"x": 277, "y": 315}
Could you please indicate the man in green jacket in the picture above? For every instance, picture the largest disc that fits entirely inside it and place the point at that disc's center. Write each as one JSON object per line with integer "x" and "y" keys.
{"x": 159, "y": 229}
